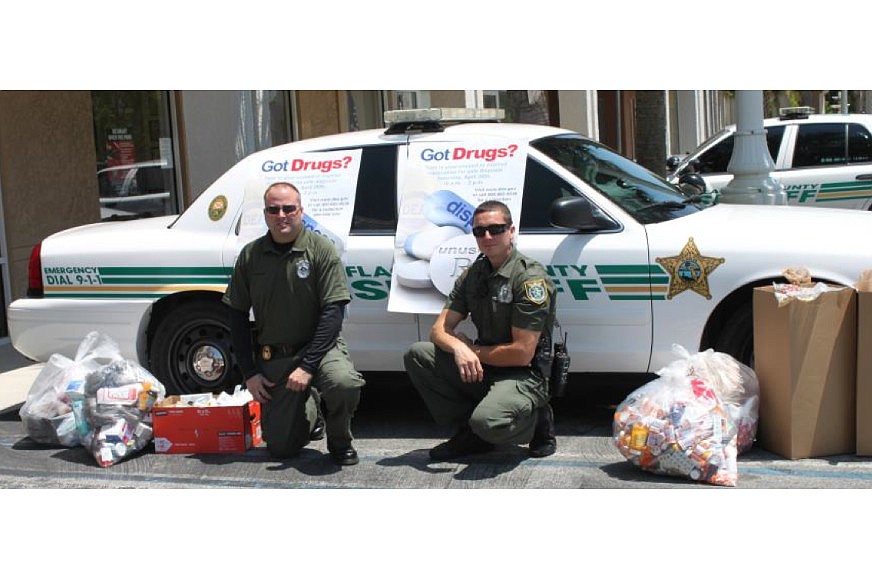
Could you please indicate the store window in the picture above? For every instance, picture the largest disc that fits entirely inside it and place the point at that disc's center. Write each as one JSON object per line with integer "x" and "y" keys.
{"x": 135, "y": 169}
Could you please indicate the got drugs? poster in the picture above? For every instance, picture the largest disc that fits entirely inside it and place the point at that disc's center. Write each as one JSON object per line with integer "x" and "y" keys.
{"x": 442, "y": 183}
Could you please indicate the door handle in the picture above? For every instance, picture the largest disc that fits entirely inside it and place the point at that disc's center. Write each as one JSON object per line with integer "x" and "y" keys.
{"x": 864, "y": 176}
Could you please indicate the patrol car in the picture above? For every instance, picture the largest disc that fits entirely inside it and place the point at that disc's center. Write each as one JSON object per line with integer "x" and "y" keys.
{"x": 823, "y": 161}
{"x": 638, "y": 265}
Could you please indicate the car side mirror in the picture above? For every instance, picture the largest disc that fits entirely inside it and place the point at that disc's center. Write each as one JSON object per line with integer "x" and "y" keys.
{"x": 672, "y": 163}
{"x": 692, "y": 185}
{"x": 577, "y": 213}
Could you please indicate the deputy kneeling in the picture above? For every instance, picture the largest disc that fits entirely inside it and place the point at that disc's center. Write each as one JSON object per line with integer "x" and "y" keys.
{"x": 490, "y": 388}
{"x": 294, "y": 282}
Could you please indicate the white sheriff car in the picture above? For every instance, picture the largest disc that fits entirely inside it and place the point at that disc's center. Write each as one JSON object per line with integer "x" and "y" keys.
{"x": 638, "y": 266}
{"x": 823, "y": 161}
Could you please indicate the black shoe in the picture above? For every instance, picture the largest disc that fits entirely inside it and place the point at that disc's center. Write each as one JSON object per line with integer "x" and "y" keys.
{"x": 319, "y": 429}
{"x": 346, "y": 456}
{"x": 544, "y": 442}
{"x": 463, "y": 443}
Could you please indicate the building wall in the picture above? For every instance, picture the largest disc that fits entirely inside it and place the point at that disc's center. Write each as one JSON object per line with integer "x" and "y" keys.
{"x": 318, "y": 113}
{"x": 208, "y": 148}
{"x": 447, "y": 99}
{"x": 691, "y": 125}
{"x": 48, "y": 161}
{"x": 578, "y": 112}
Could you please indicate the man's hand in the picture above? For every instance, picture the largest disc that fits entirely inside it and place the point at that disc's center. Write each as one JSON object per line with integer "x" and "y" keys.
{"x": 468, "y": 364}
{"x": 299, "y": 379}
{"x": 257, "y": 386}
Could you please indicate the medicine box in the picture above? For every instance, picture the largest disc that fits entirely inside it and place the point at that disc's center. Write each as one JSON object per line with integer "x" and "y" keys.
{"x": 191, "y": 429}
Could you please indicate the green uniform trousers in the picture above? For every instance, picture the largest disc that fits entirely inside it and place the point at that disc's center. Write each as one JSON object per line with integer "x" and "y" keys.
{"x": 288, "y": 418}
{"x": 500, "y": 409}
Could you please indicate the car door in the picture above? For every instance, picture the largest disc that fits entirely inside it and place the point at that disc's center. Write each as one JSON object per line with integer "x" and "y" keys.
{"x": 829, "y": 165}
{"x": 377, "y": 338}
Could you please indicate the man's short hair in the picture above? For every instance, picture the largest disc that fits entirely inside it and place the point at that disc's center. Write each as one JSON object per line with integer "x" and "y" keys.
{"x": 288, "y": 184}
{"x": 494, "y": 206}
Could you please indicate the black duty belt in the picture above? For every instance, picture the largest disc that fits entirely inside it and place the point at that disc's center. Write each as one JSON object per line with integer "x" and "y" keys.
{"x": 278, "y": 350}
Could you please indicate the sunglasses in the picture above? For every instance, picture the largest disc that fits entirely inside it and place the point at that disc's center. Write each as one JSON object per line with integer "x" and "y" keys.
{"x": 274, "y": 210}
{"x": 492, "y": 229}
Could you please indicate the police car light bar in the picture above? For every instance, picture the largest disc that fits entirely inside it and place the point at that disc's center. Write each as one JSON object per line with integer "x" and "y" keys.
{"x": 442, "y": 114}
{"x": 795, "y": 112}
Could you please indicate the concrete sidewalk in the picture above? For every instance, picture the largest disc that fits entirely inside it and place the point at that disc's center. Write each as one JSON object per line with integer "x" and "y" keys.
{"x": 16, "y": 376}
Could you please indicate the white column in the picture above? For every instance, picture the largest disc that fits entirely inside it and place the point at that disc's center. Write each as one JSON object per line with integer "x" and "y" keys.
{"x": 578, "y": 112}
{"x": 474, "y": 99}
{"x": 751, "y": 163}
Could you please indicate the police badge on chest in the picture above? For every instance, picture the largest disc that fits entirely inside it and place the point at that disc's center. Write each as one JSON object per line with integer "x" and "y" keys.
{"x": 504, "y": 294}
{"x": 303, "y": 268}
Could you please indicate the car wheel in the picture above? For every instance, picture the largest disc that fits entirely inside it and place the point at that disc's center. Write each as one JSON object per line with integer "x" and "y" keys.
{"x": 191, "y": 351}
{"x": 737, "y": 335}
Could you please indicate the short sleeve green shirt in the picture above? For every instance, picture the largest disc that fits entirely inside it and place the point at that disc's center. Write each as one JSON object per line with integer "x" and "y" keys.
{"x": 287, "y": 290}
{"x": 518, "y": 294}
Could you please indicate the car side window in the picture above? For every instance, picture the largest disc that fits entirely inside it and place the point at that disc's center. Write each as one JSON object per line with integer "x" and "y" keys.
{"x": 773, "y": 140}
{"x": 375, "y": 203}
{"x": 859, "y": 144}
{"x": 820, "y": 145}
{"x": 541, "y": 187}
{"x": 717, "y": 159}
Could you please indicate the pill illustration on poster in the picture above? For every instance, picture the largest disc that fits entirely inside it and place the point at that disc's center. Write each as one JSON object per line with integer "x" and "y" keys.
{"x": 422, "y": 244}
{"x": 449, "y": 216}
{"x": 414, "y": 274}
{"x": 311, "y": 224}
{"x": 446, "y": 208}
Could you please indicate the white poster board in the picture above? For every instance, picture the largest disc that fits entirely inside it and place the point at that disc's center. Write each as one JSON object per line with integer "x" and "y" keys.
{"x": 327, "y": 182}
{"x": 443, "y": 183}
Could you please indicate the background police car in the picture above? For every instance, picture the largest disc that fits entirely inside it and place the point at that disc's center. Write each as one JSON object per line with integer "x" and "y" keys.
{"x": 823, "y": 161}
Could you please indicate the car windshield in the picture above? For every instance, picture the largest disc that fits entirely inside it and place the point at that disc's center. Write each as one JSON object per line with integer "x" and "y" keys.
{"x": 641, "y": 193}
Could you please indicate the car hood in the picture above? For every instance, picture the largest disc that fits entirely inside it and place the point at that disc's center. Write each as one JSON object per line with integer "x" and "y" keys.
{"x": 144, "y": 237}
{"x": 834, "y": 244}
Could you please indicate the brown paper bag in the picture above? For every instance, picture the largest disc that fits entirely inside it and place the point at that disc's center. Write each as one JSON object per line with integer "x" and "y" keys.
{"x": 805, "y": 358}
{"x": 864, "y": 373}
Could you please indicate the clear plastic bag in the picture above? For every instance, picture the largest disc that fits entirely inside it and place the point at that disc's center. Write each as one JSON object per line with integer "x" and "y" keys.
{"x": 47, "y": 413}
{"x": 687, "y": 421}
{"x": 734, "y": 382}
{"x": 119, "y": 398}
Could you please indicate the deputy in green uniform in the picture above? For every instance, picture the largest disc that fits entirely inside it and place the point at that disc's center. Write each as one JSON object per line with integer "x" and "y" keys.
{"x": 490, "y": 388}
{"x": 293, "y": 280}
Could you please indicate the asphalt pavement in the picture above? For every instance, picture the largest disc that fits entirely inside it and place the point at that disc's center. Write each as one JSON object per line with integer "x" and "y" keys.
{"x": 581, "y": 492}
{"x": 16, "y": 376}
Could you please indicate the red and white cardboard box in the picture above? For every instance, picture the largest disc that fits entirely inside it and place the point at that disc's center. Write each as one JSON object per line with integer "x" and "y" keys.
{"x": 205, "y": 429}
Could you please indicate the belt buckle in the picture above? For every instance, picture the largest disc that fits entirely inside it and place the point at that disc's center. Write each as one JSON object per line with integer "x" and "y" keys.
{"x": 266, "y": 353}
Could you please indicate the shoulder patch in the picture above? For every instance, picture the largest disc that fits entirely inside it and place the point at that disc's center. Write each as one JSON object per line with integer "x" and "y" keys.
{"x": 535, "y": 290}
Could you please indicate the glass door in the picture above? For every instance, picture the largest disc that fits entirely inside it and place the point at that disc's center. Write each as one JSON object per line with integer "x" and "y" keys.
{"x": 135, "y": 153}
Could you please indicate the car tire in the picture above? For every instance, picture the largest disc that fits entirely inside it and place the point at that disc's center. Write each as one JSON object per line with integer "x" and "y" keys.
{"x": 737, "y": 335}
{"x": 191, "y": 350}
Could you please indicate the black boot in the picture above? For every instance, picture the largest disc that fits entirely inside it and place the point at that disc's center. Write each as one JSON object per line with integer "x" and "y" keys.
{"x": 544, "y": 442}
{"x": 463, "y": 443}
{"x": 319, "y": 428}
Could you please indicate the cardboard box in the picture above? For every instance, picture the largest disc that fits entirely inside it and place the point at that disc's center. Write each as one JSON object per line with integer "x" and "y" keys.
{"x": 806, "y": 361}
{"x": 205, "y": 429}
{"x": 864, "y": 373}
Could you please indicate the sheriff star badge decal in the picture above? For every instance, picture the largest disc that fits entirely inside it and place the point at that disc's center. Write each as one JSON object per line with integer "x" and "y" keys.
{"x": 689, "y": 270}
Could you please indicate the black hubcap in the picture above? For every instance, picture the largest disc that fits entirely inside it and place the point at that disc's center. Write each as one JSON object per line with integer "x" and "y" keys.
{"x": 202, "y": 356}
